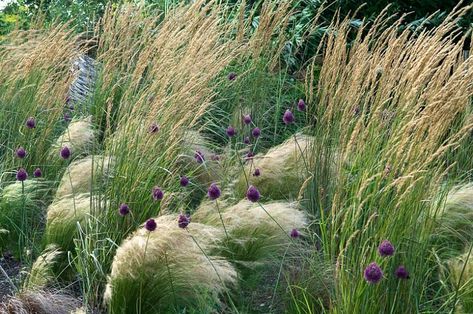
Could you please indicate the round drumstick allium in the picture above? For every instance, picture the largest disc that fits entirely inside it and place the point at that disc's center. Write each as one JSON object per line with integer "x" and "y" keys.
{"x": 232, "y": 76}
{"x": 153, "y": 128}
{"x": 386, "y": 248}
{"x": 184, "y": 181}
{"x": 252, "y": 194}
{"x": 157, "y": 193}
{"x": 247, "y": 119}
{"x": 30, "y": 123}
{"x": 288, "y": 117}
{"x": 295, "y": 233}
{"x": 150, "y": 225}
{"x": 37, "y": 173}
{"x": 124, "y": 209}
{"x": 301, "y": 105}
{"x": 402, "y": 273}
{"x": 213, "y": 192}
{"x": 21, "y": 153}
{"x": 246, "y": 140}
{"x": 373, "y": 273}
{"x": 231, "y": 131}
{"x": 256, "y": 132}
{"x": 65, "y": 152}
{"x": 257, "y": 172}
{"x": 199, "y": 157}
{"x": 21, "y": 174}
{"x": 183, "y": 221}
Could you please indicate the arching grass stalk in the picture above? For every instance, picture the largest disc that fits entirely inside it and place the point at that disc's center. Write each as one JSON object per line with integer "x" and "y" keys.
{"x": 221, "y": 219}
{"x": 457, "y": 288}
{"x": 170, "y": 279}
{"x": 275, "y": 221}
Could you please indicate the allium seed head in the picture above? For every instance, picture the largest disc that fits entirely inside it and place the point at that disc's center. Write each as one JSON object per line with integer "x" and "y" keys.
{"x": 247, "y": 119}
{"x": 213, "y": 191}
{"x": 65, "y": 152}
{"x": 402, "y": 273}
{"x": 288, "y": 117}
{"x": 231, "y": 131}
{"x": 157, "y": 193}
{"x": 21, "y": 153}
{"x": 256, "y": 132}
{"x": 252, "y": 194}
{"x": 183, "y": 221}
{"x": 150, "y": 225}
{"x": 124, "y": 209}
{"x": 30, "y": 123}
{"x": 38, "y": 173}
{"x": 184, "y": 181}
{"x": 386, "y": 248}
{"x": 373, "y": 273}
{"x": 21, "y": 174}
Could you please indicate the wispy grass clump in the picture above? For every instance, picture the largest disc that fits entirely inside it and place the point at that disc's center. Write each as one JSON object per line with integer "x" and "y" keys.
{"x": 42, "y": 273}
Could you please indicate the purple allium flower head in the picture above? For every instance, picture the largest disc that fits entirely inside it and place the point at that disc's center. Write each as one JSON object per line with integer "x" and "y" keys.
{"x": 373, "y": 273}
{"x": 213, "y": 191}
{"x": 252, "y": 194}
{"x": 301, "y": 105}
{"x": 38, "y": 173}
{"x": 67, "y": 117}
{"x": 150, "y": 225}
{"x": 199, "y": 157}
{"x": 295, "y": 233}
{"x": 250, "y": 154}
{"x": 231, "y": 131}
{"x": 124, "y": 209}
{"x": 232, "y": 76}
{"x": 246, "y": 140}
{"x": 386, "y": 248}
{"x": 247, "y": 119}
{"x": 402, "y": 273}
{"x": 153, "y": 128}
{"x": 21, "y": 153}
{"x": 257, "y": 172}
{"x": 30, "y": 123}
{"x": 256, "y": 132}
{"x": 21, "y": 174}
{"x": 65, "y": 152}
{"x": 288, "y": 117}
{"x": 183, "y": 221}
{"x": 157, "y": 193}
{"x": 184, "y": 181}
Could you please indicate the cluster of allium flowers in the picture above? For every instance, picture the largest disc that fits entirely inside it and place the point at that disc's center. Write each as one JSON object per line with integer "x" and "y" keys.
{"x": 183, "y": 221}
{"x": 153, "y": 128}
{"x": 21, "y": 153}
{"x": 213, "y": 192}
{"x": 199, "y": 157}
{"x": 184, "y": 181}
{"x": 256, "y": 132}
{"x": 301, "y": 105}
{"x": 124, "y": 209}
{"x": 373, "y": 273}
{"x": 288, "y": 117}
{"x": 231, "y": 132}
{"x": 252, "y": 194}
{"x": 232, "y": 76}
{"x": 37, "y": 173}
{"x": 386, "y": 248}
{"x": 65, "y": 152}
{"x": 30, "y": 123}
{"x": 150, "y": 225}
{"x": 247, "y": 119}
{"x": 295, "y": 233}
{"x": 402, "y": 273}
{"x": 21, "y": 174}
{"x": 257, "y": 172}
{"x": 246, "y": 140}
{"x": 157, "y": 193}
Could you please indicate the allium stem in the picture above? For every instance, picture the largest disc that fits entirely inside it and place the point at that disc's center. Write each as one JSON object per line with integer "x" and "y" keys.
{"x": 170, "y": 278}
{"x": 221, "y": 219}
{"x": 272, "y": 218}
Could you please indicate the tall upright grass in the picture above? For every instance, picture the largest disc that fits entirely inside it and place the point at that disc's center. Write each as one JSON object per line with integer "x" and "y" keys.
{"x": 392, "y": 113}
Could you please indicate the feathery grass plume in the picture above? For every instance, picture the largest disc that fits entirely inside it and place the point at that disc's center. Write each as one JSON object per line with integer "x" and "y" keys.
{"x": 20, "y": 211}
{"x": 63, "y": 215}
{"x": 454, "y": 223}
{"x": 39, "y": 302}
{"x": 165, "y": 270}
{"x": 84, "y": 176}
{"x": 42, "y": 271}
{"x": 395, "y": 106}
{"x": 79, "y": 137}
{"x": 253, "y": 234}
{"x": 461, "y": 272}
{"x": 282, "y": 170}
